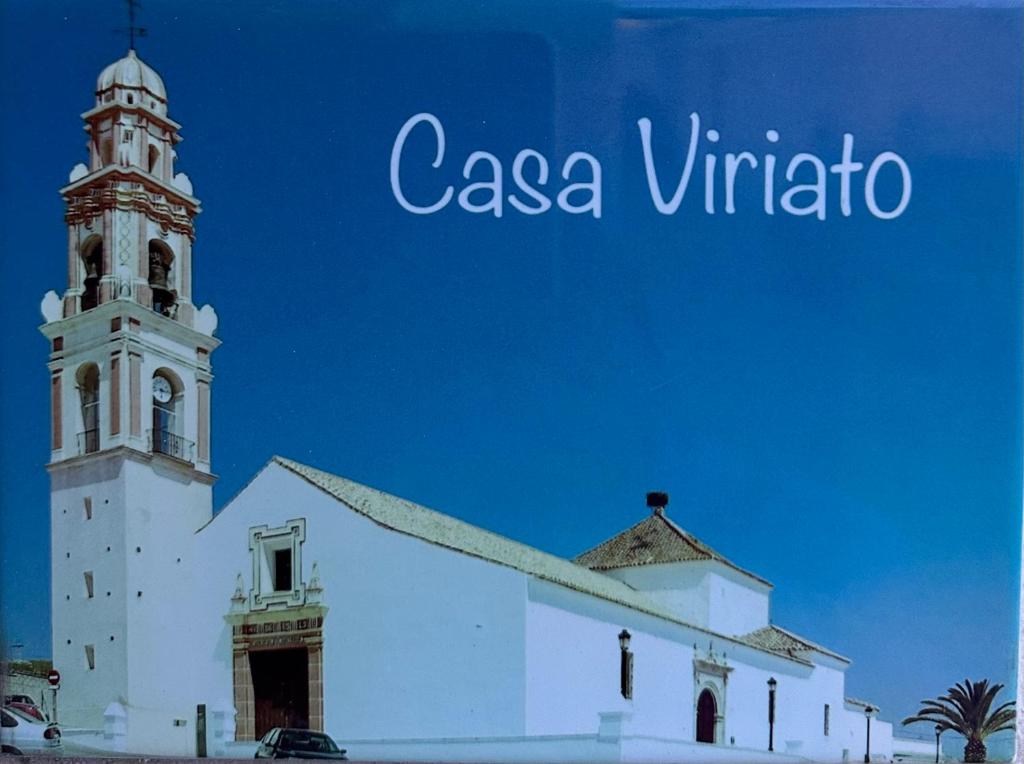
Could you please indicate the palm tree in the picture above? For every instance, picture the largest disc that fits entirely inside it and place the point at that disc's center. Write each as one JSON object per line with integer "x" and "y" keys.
{"x": 966, "y": 709}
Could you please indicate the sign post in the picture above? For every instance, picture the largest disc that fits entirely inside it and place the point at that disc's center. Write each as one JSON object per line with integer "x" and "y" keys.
{"x": 54, "y": 679}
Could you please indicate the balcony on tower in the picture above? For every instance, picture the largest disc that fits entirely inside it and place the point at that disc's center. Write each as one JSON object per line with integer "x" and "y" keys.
{"x": 171, "y": 444}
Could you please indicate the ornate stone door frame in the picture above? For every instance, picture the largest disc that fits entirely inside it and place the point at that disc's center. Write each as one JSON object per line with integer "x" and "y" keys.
{"x": 711, "y": 673}
{"x": 275, "y": 630}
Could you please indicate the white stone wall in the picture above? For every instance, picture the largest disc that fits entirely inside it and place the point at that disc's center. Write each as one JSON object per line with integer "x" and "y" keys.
{"x": 165, "y": 509}
{"x": 78, "y": 545}
{"x": 426, "y": 647}
{"x": 419, "y": 641}
{"x": 854, "y": 735}
{"x": 573, "y": 677}
{"x": 704, "y": 592}
{"x": 143, "y": 520}
{"x": 736, "y": 604}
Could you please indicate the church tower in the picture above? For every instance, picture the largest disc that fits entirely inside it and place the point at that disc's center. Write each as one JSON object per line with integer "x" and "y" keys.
{"x": 129, "y": 376}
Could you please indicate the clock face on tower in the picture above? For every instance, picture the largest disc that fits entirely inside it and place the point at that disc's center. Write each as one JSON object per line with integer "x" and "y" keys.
{"x": 161, "y": 390}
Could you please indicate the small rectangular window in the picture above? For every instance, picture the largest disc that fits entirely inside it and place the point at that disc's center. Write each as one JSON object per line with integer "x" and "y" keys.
{"x": 282, "y": 570}
{"x": 826, "y": 719}
{"x": 90, "y": 657}
{"x": 88, "y": 507}
{"x": 88, "y": 584}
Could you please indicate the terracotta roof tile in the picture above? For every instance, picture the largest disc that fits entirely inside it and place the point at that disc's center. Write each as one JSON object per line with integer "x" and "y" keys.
{"x": 779, "y": 640}
{"x": 653, "y": 541}
{"x": 406, "y": 517}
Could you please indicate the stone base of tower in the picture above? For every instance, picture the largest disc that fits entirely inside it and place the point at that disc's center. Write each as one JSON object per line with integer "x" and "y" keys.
{"x": 123, "y": 569}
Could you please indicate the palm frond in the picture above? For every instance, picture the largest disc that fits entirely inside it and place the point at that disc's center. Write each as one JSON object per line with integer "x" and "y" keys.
{"x": 967, "y": 709}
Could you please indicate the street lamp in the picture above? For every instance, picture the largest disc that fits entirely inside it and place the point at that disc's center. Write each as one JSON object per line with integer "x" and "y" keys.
{"x": 625, "y": 666}
{"x": 772, "y": 684}
{"x": 868, "y": 710}
{"x": 938, "y": 731}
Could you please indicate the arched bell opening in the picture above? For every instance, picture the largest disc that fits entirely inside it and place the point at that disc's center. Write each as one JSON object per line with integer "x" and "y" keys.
{"x": 161, "y": 260}
{"x": 88, "y": 380}
{"x": 92, "y": 260}
{"x": 154, "y": 159}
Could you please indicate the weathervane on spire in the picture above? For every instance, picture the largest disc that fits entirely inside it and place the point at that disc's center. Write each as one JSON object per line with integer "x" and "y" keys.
{"x": 132, "y": 31}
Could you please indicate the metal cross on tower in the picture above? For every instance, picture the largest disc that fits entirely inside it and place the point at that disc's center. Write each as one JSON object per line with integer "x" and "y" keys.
{"x": 132, "y": 30}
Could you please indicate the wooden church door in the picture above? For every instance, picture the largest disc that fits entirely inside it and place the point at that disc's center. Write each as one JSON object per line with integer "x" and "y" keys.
{"x": 706, "y": 710}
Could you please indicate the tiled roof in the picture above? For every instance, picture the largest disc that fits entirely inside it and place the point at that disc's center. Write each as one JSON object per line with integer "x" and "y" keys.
{"x": 861, "y": 704}
{"x": 654, "y": 540}
{"x": 778, "y": 640}
{"x": 412, "y": 519}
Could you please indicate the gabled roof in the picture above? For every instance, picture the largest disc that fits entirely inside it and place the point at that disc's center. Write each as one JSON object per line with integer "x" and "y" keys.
{"x": 784, "y": 642}
{"x": 412, "y": 519}
{"x": 861, "y": 704}
{"x": 650, "y": 542}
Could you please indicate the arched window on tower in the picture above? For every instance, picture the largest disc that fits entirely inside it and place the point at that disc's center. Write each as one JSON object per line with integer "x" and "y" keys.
{"x": 106, "y": 150}
{"x": 168, "y": 404}
{"x": 161, "y": 259}
{"x": 88, "y": 379}
{"x": 92, "y": 259}
{"x": 154, "y": 159}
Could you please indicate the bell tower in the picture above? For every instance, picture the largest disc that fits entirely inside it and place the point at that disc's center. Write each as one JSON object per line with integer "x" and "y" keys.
{"x": 130, "y": 378}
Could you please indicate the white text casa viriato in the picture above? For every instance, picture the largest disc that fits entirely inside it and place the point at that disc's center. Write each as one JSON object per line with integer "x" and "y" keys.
{"x": 578, "y": 190}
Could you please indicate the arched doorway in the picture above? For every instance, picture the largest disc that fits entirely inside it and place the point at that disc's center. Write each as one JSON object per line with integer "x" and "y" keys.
{"x": 706, "y": 711}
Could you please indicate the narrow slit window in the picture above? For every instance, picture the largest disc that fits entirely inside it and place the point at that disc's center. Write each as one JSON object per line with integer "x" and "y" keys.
{"x": 90, "y": 657}
{"x": 88, "y": 507}
{"x": 826, "y": 719}
{"x": 88, "y": 584}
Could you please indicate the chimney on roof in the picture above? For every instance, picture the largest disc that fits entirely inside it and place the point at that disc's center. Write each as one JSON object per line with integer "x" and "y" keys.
{"x": 657, "y": 501}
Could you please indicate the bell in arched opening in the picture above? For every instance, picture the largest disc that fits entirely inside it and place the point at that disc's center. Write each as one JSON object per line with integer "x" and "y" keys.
{"x": 161, "y": 259}
{"x": 92, "y": 259}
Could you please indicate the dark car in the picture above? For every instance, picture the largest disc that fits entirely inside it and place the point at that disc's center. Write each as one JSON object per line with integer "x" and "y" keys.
{"x": 284, "y": 743}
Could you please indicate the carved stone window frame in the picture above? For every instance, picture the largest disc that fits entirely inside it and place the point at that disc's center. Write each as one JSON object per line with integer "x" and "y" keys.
{"x": 263, "y": 542}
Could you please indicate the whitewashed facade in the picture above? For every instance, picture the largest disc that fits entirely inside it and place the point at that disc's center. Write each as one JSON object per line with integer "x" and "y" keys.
{"x": 312, "y": 600}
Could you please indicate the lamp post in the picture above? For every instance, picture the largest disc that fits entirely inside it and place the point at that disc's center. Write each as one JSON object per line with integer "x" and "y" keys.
{"x": 772, "y": 684}
{"x": 625, "y": 665}
{"x": 938, "y": 731}
{"x": 867, "y": 749}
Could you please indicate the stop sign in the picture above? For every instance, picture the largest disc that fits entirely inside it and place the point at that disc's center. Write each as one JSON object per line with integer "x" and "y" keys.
{"x": 53, "y": 677}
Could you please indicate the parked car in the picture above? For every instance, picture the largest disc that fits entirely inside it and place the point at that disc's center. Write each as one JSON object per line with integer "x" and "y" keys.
{"x": 18, "y": 699}
{"x": 285, "y": 743}
{"x": 28, "y": 708}
{"x": 23, "y": 734}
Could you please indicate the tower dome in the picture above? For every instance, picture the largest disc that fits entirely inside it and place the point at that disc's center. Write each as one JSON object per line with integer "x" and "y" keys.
{"x": 130, "y": 80}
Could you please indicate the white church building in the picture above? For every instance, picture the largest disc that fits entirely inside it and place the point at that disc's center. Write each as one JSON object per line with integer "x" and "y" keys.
{"x": 311, "y": 600}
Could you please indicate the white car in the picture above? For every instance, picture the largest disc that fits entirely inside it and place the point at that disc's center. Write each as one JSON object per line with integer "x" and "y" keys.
{"x": 24, "y": 734}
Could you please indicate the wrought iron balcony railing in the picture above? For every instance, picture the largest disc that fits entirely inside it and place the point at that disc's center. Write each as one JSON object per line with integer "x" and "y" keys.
{"x": 164, "y": 442}
{"x": 89, "y": 441}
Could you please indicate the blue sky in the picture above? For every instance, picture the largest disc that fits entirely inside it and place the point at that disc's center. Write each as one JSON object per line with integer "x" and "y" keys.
{"x": 833, "y": 404}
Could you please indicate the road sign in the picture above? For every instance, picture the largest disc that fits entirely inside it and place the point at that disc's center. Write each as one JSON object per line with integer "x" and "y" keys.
{"x": 53, "y": 677}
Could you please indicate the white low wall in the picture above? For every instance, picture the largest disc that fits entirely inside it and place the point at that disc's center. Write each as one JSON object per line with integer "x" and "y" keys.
{"x": 913, "y": 749}
{"x": 567, "y": 749}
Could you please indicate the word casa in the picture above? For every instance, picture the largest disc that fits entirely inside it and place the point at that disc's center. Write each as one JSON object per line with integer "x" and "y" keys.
{"x": 486, "y": 194}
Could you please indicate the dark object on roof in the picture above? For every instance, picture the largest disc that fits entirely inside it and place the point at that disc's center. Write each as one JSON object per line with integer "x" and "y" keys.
{"x": 657, "y": 500}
